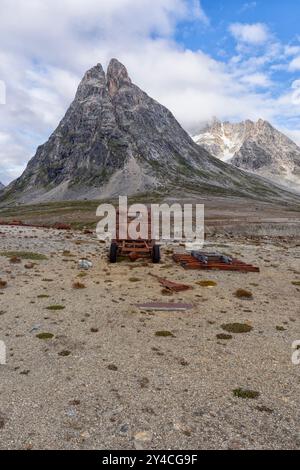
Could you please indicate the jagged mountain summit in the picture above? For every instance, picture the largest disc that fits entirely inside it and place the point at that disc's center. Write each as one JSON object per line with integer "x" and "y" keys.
{"x": 116, "y": 140}
{"x": 256, "y": 147}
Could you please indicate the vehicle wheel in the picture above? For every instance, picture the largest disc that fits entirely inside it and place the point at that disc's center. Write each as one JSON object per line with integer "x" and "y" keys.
{"x": 156, "y": 254}
{"x": 113, "y": 253}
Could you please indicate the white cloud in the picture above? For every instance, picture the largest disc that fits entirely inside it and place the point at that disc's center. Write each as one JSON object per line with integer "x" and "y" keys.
{"x": 254, "y": 34}
{"x": 292, "y": 50}
{"x": 248, "y": 6}
{"x": 257, "y": 80}
{"x": 198, "y": 12}
{"x": 295, "y": 64}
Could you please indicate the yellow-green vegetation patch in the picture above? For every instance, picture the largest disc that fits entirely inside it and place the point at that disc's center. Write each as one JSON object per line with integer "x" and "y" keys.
{"x": 245, "y": 393}
{"x": 56, "y": 307}
{"x": 43, "y": 296}
{"x": 134, "y": 279}
{"x": 296, "y": 283}
{"x": 45, "y": 336}
{"x": 68, "y": 253}
{"x": 224, "y": 336}
{"x": 164, "y": 333}
{"x": 280, "y": 328}
{"x": 83, "y": 274}
{"x": 64, "y": 353}
{"x": 206, "y": 283}
{"x": 243, "y": 294}
{"x": 23, "y": 255}
{"x": 237, "y": 327}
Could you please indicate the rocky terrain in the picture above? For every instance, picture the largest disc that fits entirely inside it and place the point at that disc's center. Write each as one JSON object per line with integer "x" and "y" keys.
{"x": 256, "y": 147}
{"x": 86, "y": 369}
{"x": 115, "y": 139}
{"x": 1, "y": 186}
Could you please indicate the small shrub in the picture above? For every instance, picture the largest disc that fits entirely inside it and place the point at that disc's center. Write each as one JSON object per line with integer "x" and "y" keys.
{"x": 164, "y": 333}
{"x": 296, "y": 283}
{"x": 24, "y": 255}
{"x": 3, "y": 284}
{"x": 44, "y": 335}
{"x": 280, "y": 328}
{"x": 64, "y": 353}
{"x": 55, "y": 307}
{"x": 224, "y": 336}
{"x": 78, "y": 285}
{"x": 15, "y": 260}
{"x": 244, "y": 393}
{"x": 134, "y": 279}
{"x": 83, "y": 274}
{"x": 237, "y": 327}
{"x": 243, "y": 294}
{"x": 206, "y": 283}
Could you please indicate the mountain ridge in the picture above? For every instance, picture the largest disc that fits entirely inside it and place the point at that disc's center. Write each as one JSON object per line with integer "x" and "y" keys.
{"x": 257, "y": 147}
{"x": 114, "y": 140}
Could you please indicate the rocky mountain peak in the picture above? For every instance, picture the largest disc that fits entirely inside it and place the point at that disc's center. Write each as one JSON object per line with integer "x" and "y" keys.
{"x": 254, "y": 146}
{"x": 92, "y": 81}
{"x": 117, "y": 76}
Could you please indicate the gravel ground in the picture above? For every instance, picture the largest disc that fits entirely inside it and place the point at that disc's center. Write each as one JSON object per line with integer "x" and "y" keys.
{"x": 106, "y": 381}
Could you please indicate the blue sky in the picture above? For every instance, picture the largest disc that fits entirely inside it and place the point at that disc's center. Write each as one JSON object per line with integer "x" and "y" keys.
{"x": 230, "y": 59}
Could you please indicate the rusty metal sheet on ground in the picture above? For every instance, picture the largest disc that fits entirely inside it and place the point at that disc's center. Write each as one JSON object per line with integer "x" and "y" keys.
{"x": 168, "y": 307}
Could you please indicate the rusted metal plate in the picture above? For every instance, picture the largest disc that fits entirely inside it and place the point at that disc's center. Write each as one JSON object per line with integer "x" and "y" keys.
{"x": 171, "y": 285}
{"x": 167, "y": 307}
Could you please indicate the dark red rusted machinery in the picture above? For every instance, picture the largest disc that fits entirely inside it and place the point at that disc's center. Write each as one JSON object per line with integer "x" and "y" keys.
{"x": 134, "y": 249}
{"x": 187, "y": 261}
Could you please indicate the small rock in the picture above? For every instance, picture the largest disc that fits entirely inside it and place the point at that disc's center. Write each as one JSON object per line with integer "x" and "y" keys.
{"x": 142, "y": 438}
{"x": 85, "y": 264}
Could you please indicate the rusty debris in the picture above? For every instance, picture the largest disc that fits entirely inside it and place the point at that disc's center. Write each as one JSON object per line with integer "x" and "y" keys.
{"x": 187, "y": 261}
{"x": 171, "y": 285}
{"x": 167, "y": 307}
{"x": 133, "y": 249}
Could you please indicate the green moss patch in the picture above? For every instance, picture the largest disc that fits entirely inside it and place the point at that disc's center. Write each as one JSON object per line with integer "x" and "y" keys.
{"x": 45, "y": 336}
{"x": 245, "y": 393}
{"x": 206, "y": 283}
{"x": 224, "y": 336}
{"x": 23, "y": 255}
{"x": 243, "y": 294}
{"x": 56, "y": 307}
{"x": 64, "y": 353}
{"x": 280, "y": 328}
{"x": 237, "y": 327}
{"x": 164, "y": 333}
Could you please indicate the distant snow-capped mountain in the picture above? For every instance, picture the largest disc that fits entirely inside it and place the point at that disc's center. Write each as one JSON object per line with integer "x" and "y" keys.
{"x": 256, "y": 147}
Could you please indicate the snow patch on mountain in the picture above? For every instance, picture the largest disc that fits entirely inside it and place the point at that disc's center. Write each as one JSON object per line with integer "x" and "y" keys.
{"x": 256, "y": 147}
